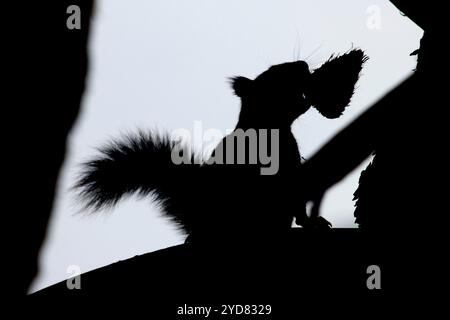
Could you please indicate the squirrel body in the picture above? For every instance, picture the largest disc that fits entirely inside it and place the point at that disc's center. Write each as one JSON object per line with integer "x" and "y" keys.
{"x": 214, "y": 201}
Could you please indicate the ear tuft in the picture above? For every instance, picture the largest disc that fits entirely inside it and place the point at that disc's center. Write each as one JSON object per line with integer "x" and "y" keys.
{"x": 241, "y": 86}
{"x": 333, "y": 84}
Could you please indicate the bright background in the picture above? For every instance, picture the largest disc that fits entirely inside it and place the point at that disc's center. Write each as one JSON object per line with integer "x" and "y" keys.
{"x": 165, "y": 63}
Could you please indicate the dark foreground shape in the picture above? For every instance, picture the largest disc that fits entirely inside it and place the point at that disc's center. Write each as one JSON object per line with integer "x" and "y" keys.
{"x": 309, "y": 266}
{"x": 49, "y": 73}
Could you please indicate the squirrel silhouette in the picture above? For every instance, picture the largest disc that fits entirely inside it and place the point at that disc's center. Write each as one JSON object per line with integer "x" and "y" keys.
{"x": 235, "y": 194}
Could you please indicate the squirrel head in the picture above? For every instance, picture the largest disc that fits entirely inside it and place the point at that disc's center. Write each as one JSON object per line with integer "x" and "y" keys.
{"x": 285, "y": 91}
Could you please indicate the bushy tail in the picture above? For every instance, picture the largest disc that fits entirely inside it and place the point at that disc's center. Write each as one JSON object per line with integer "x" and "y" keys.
{"x": 140, "y": 164}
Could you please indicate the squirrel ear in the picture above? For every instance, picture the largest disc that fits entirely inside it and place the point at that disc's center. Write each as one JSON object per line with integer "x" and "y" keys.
{"x": 333, "y": 84}
{"x": 241, "y": 86}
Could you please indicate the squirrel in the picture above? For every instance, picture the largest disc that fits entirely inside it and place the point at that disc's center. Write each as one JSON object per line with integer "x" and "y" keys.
{"x": 212, "y": 200}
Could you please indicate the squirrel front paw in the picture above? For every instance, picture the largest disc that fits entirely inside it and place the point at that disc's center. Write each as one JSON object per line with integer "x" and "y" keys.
{"x": 314, "y": 223}
{"x": 321, "y": 223}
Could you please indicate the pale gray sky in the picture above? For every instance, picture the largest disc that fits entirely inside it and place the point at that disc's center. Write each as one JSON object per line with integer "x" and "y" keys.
{"x": 164, "y": 64}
